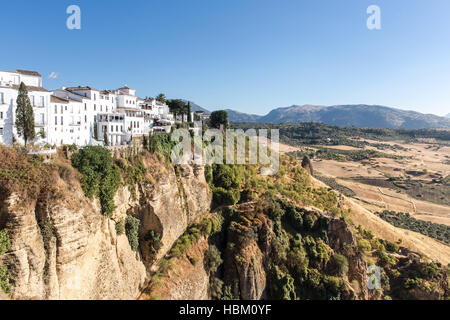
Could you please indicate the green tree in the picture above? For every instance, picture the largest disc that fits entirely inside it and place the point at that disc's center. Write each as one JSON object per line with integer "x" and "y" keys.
{"x": 95, "y": 130}
{"x": 100, "y": 176}
{"x": 189, "y": 112}
{"x": 339, "y": 264}
{"x": 219, "y": 118}
{"x": 132, "y": 232}
{"x": 5, "y": 242}
{"x": 177, "y": 107}
{"x": 24, "y": 115}
{"x": 5, "y": 285}
{"x": 161, "y": 98}
{"x": 105, "y": 138}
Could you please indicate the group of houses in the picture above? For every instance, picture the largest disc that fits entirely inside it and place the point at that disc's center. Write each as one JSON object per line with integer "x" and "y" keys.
{"x": 80, "y": 115}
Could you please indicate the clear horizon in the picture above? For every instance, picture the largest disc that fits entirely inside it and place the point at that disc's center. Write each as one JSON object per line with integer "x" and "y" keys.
{"x": 250, "y": 56}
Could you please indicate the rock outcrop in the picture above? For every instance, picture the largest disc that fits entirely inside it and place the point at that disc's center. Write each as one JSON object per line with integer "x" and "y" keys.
{"x": 342, "y": 240}
{"x": 247, "y": 257}
{"x": 64, "y": 248}
{"x": 188, "y": 280}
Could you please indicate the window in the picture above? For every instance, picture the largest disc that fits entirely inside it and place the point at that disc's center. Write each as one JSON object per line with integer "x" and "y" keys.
{"x": 56, "y": 121}
{"x": 62, "y": 109}
{"x": 62, "y": 121}
{"x": 95, "y": 107}
{"x": 56, "y": 108}
{"x": 95, "y": 96}
{"x": 65, "y": 108}
{"x": 112, "y": 128}
{"x": 85, "y": 119}
{"x": 1, "y": 115}
{"x": 1, "y": 131}
{"x": 32, "y": 101}
{"x": 2, "y": 97}
{"x": 85, "y": 107}
{"x": 42, "y": 101}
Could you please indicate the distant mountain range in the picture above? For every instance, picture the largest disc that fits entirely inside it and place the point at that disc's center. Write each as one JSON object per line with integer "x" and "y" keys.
{"x": 346, "y": 115}
{"x": 448, "y": 116}
{"x": 195, "y": 107}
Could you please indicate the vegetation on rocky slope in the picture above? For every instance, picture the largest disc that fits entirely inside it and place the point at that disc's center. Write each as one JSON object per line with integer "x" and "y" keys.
{"x": 406, "y": 221}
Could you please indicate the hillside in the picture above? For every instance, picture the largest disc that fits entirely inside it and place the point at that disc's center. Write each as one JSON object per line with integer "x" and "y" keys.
{"x": 137, "y": 226}
{"x": 236, "y": 116}
{"x": 347, "y": 115}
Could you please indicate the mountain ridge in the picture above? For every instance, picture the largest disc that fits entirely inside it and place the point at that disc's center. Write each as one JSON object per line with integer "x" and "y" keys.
{"x": 360, "y": 115}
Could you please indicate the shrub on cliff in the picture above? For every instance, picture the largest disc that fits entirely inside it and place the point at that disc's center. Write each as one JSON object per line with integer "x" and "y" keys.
{"x": 5, "y": 242}
{"x": 161, "y": 144}
{"x": 131, "y": 230}
{"x": 339, "y": 264}
{"x": 213, "y": 259}
{"x": 100, "y": 176}
{"x": 5, "y": 286}
{"x": 222, "y": 197}
{"x": 281, "y": 285}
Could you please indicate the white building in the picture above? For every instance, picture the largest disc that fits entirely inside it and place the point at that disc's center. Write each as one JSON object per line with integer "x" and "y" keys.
{"x": 39, "y": 98}
{"x": 70, "y": 115}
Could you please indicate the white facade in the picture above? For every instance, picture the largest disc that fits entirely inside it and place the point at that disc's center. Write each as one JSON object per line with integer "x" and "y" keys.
{"x": 70, "y": 115}
{"x": 39, "y": 98}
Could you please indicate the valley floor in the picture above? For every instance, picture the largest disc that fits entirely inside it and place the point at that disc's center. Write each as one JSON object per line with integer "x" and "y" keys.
{"x": 368, "y": 189}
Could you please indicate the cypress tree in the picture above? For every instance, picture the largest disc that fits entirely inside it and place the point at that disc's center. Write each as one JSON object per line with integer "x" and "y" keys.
{"x": 189, "y": 112}
{"x": 95, "y": 130}
{"x": 24, "y": 115}
{"x": 105, "y": 138}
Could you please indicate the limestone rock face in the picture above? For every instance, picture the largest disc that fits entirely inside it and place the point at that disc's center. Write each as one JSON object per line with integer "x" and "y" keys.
{"x": 343, "y": 241}
{"x": 187, "y": 280}
{"x": 248, "y": 258}
{"x": 64, "y": 248}
{"x": 177, "y": 199}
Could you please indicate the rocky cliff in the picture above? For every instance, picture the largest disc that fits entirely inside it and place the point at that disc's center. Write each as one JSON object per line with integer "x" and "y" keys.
{"x": 62, "y": 247}
{"x": 162, "y": 241}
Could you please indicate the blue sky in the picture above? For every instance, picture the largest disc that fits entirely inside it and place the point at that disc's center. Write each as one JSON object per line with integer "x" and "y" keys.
{"x": 248, "y": 55}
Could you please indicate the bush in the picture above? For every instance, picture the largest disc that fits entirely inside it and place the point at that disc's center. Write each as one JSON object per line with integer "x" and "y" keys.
{"x": 385, "y": 259}
{"x": 429, "y": 270}
{"x": 282, "y": 285}
{"x": 391, "y": 246}
{"x": 213, "y": 259}
{"x": 364, "y": 245}
{"x": 120, "y": 227}
{"x": 161, "y": 144}
{"x": 154, "y": 239}
{"x": 222, "y": 197}
{"x": 216, "y": 288}
{"x": 100, "y": 177}
{"x": 339, "y": 264}
{"x": 297, "y": 260}
{"x": 132, "y": 232}
{"x": 208, "y": 174}
{"x": 225, "y": 176}
{"x": 5, "y": 242}
{"x": 5, "y": 286}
